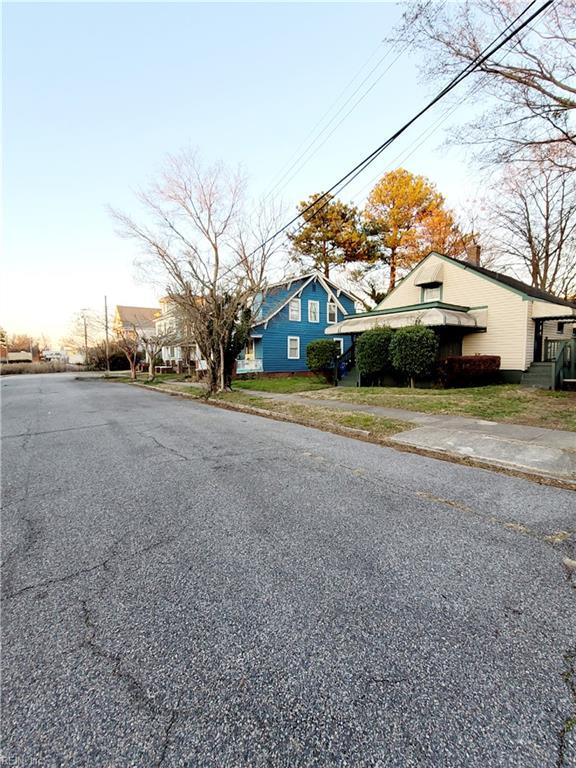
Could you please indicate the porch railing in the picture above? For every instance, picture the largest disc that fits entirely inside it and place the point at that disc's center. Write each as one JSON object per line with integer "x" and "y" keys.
{"x": 345, "y": 363}
{"x": 249, "y": 366}
{"x": 564, "y": 363}
{"x": 552, "y": 349}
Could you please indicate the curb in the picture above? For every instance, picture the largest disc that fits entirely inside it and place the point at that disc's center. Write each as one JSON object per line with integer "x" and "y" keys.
{"x": 366, "y": 436}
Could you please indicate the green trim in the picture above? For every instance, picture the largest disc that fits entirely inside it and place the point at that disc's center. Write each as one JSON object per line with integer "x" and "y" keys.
{"x": 462, "y": 265}
{"x": 465, "y": 266}
{"x": 482, "y": 306}
{"x": 409, "y": 308}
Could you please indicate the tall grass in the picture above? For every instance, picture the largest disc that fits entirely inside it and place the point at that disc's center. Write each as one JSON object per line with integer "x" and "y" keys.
{"x": 8, "y": 369}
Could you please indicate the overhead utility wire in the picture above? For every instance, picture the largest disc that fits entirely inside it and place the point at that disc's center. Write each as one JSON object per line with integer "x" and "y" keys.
{"x": 485, "y": 54}
{"x": 430, "y": 130}
{"x": 338, "y": 124}
{"x": 341, "y": 108}
{"x": 285, "y": 169}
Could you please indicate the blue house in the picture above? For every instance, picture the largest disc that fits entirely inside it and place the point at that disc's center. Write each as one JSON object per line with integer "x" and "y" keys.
{"x": 288, "y": 316}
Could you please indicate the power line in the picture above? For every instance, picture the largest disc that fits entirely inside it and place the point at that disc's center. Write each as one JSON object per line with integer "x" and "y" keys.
{"x": 485, "y": 54}
{"x": 319, "y": 122}
{"x": 339, "y": 123}
{"x": 407, "y": 43}
{"x": 431, "y": 129}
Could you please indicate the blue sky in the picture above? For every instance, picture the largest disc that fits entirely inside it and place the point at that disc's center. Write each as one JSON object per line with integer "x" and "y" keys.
{"x": 96, "y": 94}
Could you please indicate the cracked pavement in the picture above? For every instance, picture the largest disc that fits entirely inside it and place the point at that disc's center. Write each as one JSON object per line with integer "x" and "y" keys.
{"x": 184, "y": 585}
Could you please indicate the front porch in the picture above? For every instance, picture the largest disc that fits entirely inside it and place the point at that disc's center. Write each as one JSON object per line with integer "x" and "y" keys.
{"x": 250, "y": 359}
{"x": 554, "y": 363}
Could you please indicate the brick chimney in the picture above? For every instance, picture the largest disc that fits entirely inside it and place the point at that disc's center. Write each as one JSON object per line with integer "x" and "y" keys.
{"x": 473, "y": 254}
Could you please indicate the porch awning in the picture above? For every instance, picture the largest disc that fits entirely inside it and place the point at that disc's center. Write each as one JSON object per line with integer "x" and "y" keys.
{"x": 432, "y": 318}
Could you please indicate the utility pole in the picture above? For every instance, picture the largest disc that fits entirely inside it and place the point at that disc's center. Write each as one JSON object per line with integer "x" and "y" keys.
{"x": 85, "y": 339}
{"x": 106, "y": 331}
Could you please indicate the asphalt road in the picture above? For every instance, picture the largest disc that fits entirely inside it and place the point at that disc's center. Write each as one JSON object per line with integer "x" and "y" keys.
{"x": 187, "y": 586}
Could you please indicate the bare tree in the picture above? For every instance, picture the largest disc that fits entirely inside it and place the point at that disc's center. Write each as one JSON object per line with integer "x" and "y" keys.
{"x": 212, "y": 257}
{"x": 529, "y": 85}
{"x": 128, "y": 340}
{"x": 535, "y": 226}
{"x": 152, "y": 344}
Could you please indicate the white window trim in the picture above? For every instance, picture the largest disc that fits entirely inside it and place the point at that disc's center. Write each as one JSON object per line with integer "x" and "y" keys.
{"x": 331, "y": 303}
{"x": 341, "y": 340}
{"x": 317, "y": 303}
{"x": 299, "y": 305}
{"x": 297, "y": 339}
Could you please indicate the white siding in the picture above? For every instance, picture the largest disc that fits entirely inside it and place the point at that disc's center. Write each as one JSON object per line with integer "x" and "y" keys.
{"x": 507, "y": 312}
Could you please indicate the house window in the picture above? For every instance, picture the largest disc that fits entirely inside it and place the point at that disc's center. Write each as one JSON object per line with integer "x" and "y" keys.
{"x": 293, "y": 348}
{"x": 313, "y": 311}
{"x": 431, "y": 293}
{"x": 560, "y": 328}
{"x": 332, "y": 312}
{"x": 341, "y": 342}
{"x": 249, "y": 350}
{"x": 294, "y": 310}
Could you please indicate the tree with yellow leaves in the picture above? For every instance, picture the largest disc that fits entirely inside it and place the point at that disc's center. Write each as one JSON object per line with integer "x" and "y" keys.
{"x": 408, "y": 218}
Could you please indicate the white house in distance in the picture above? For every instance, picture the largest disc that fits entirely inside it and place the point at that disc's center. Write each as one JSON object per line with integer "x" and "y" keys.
{"x": 476, "y": 311}
{"x": 182, "y": 349}
{"x": 134, "y": 319}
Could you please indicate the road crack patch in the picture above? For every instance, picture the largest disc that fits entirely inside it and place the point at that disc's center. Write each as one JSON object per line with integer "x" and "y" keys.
{"x": 164, "y": 446}
{"x": 103, "y": 564}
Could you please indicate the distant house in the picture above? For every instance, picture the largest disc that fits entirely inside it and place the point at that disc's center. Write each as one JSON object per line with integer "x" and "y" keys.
{"x": 20, "y": 357}
{"x": 134, "y": 319}
{"x": 290, "y": 314}
{"x": 182, "y": 351}
{"x": 133, "y": 322}
{"x": 475, "y": 310}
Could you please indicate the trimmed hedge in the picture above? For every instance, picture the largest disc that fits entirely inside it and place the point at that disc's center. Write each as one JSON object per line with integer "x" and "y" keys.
{"x": 469, "y": 370}
{"x": 413, "y": 351}
{"x": 321, "y": 356}
{"x": 373, "y": 354}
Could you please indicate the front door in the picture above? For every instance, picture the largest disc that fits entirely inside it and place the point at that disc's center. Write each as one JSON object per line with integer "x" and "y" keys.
{"x": 538, "y": 336}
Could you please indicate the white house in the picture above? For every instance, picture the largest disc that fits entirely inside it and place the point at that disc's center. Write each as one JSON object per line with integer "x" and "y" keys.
{"x": 475, "y": 310}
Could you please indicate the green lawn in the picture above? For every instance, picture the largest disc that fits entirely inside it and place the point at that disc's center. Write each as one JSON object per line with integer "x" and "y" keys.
{"x": 378, "y": 427}
{"x": 283, "y": 385}
{"x": 506, "y": 402}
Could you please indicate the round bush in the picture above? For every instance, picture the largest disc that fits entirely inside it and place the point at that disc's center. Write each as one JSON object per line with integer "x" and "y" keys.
{"x": 321, "y": 355}
{"x": 413, "y": 351}
{"x": 373, "y": 352}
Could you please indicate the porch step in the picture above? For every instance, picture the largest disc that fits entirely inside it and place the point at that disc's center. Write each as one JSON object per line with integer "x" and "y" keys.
{"x": 539, "y": 375}
{"x": 350, "y": 379}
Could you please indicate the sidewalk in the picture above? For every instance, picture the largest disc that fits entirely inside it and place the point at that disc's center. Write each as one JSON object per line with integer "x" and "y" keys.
{"x": 547, "y": 452}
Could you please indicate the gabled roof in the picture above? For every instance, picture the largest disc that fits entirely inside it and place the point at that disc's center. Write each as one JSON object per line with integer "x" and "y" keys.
{"x": 140, "y": 316}
{"x": 295, "y": 287}
{"x": 511, "y": 282}
{"x": 313, "y": 273}
{"x": 505, "y": 280}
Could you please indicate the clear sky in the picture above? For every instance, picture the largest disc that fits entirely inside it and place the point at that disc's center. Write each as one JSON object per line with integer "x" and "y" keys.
{"x": 96, "y": 94}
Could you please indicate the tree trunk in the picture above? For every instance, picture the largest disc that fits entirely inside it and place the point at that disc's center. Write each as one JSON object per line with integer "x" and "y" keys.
{"x": 151, "y": 369}
{"x": 133, "y": 369}
{"x": 392, "y": 281}
{"x": 222, "y": 378}
{"x": 412, "y": 383}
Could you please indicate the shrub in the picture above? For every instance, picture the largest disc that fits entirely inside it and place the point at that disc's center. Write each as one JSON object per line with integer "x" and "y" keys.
{"x": 373, "y": 353}
{"x": 469, "y": 370}
{"x": 321, "y": 356}
{"x": 413, "y": 351}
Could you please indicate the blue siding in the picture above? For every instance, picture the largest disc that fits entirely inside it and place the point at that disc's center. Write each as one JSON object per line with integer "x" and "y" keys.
{"x": 274, "y": 345}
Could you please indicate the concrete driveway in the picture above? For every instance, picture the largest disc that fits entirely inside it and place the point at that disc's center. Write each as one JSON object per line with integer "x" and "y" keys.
{"x": 188, "y": 586}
